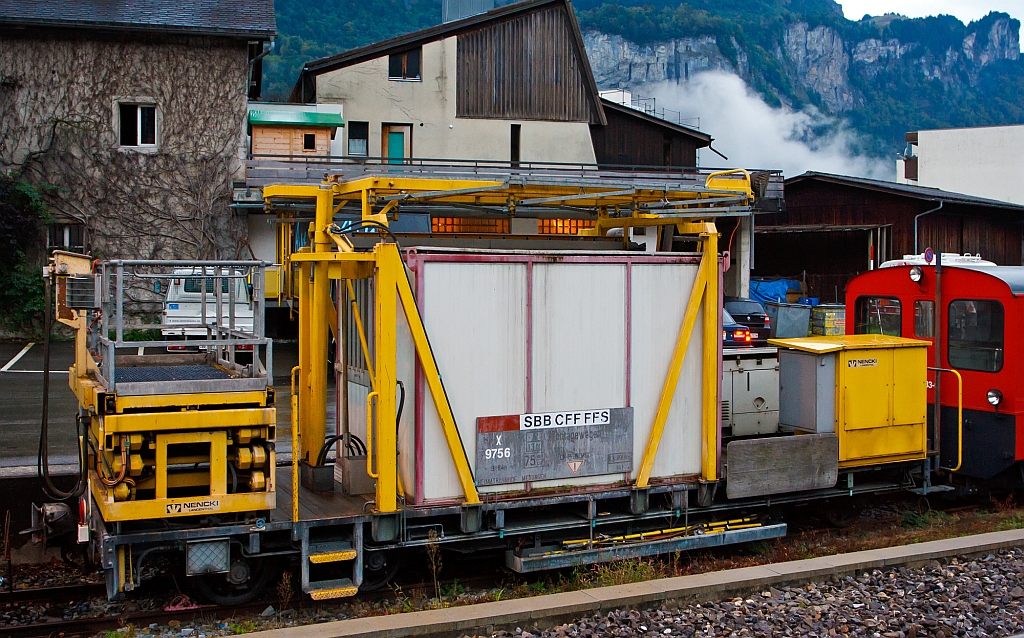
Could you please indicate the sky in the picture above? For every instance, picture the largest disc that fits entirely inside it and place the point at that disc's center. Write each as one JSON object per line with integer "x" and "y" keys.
{"x": 966, "y": 10}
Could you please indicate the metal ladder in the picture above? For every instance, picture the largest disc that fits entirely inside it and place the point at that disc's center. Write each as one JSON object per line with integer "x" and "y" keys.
{"x": 333, "y": 551}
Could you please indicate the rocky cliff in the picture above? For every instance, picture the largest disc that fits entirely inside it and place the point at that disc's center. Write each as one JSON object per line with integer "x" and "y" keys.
{"x": 841, "y": 75}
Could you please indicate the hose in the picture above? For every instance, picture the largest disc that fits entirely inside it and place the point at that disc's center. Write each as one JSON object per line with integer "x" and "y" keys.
{"x": 43, "y": 457}
{"x": 321, "y": 458}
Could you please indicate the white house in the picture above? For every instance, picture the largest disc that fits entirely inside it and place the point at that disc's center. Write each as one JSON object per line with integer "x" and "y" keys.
{"x": 986, "y": 161}
{"x": 511, "y": 84}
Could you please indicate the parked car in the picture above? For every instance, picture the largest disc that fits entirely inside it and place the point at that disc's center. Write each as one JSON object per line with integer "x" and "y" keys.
{"x": 183, "y": 306}
{"x": 751, "y": 314}
{"x": 734, "y": 335}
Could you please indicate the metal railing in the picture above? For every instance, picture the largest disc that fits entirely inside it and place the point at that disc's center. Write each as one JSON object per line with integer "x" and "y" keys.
{"x": 132, "y": 290}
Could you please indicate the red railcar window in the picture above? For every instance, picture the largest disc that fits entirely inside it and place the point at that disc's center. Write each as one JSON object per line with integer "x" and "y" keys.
{"x": 924, "y": 319}
{"x": 975, "y": 335}
{"x": 878, "y": 316}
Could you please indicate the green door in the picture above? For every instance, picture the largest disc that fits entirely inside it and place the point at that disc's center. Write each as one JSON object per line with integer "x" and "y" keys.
{"x": 396, "y": 147}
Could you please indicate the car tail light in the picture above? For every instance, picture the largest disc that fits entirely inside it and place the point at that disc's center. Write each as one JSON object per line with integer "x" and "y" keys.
{"x": 176, "y": 348}
{"x": 244, "y": 346}
{"x": 83, "y": 510}
{"x": 725, "y": 335}
{"x": 767, "y": 322}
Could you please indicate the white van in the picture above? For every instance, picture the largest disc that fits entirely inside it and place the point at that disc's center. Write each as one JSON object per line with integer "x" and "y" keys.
{"x": 183, "y": 305}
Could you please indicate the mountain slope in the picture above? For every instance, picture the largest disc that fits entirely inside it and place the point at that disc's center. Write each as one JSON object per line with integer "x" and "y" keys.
{"x": 884, "y": 75}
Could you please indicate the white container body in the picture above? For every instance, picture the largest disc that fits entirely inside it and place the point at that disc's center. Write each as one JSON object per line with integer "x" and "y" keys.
{"x": 517, "y": 332}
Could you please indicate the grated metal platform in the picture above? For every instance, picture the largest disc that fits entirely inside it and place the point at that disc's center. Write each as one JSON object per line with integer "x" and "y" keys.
{"x": 150, "y": 374}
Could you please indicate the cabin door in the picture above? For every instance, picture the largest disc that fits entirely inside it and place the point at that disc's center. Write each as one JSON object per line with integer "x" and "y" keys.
{"x": 397, "y": 143}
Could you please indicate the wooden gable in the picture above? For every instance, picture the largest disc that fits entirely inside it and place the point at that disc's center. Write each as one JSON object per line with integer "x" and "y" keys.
{"x": 528, "y": 67}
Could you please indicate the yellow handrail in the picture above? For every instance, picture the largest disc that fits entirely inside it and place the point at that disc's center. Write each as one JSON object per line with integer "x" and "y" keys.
{"x": 959, "y": 416}
{"x": 369, "y": 434}
{"x": 295, "y": 447}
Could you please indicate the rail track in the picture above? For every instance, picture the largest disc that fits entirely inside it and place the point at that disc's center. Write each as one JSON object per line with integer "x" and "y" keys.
{"x": 463, "y": 572}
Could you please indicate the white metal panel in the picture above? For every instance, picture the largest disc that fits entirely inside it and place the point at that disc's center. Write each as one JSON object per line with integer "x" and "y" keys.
{"x": 579, "y": 343}
{"x": 660, "y": 294}
{"x": 474, "y": 314}
{"x": 579, "y": 336}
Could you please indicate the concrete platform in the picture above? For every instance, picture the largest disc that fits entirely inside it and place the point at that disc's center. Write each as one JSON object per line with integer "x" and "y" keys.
{"x": 545, "y": 611}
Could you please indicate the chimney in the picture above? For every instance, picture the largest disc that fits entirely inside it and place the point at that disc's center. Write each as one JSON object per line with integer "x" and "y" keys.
{"x": 452, "y": 10}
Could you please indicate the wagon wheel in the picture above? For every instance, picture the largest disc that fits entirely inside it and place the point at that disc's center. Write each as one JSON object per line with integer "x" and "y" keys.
{"x": 246, "y": 579}
{"x": 379, "y": 567}
{"x": 842, "y": 513}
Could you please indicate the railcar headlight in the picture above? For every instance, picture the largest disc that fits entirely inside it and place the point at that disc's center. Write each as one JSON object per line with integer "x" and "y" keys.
{"x": 916, "y": 274}
{"x": 995, "y": 397}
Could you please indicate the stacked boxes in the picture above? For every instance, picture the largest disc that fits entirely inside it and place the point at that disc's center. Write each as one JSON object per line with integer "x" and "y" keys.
{"x": 828, "y": 320}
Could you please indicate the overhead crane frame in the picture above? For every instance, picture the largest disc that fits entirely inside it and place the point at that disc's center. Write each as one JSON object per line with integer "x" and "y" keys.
{"x": 331, "y": 256}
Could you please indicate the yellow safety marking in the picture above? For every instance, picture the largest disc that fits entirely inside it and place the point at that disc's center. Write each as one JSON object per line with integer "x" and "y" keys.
{"x": 668, "y": 390}
{"x": 437, "y": 392}
{"x": 149, "y": 401}
{"x": 189, "y": 420}
{"x": 333, "y": 557}
{"x": 337, "y": 592}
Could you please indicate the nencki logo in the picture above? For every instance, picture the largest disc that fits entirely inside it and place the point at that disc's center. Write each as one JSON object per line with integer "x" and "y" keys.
{"x": 862, "y": 363}
{"x": 564, "y": 419}
{"x": 192, "y": 507}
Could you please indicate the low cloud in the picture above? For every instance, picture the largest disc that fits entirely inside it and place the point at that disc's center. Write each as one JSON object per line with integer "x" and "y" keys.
{"x": 753, "y": 134}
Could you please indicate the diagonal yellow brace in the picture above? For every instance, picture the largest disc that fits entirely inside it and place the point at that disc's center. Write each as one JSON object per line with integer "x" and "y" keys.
{"x": 675, "y": 367}
{"x": 433, "y": 378}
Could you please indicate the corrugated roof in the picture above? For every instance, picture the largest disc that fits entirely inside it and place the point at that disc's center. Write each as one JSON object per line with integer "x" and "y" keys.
{"x": 905, "y": 190}
{"x": 238, "y": 18}
{"x": 295, "y": 118}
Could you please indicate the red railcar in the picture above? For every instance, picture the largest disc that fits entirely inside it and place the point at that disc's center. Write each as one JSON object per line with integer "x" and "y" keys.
{"x": 980, "y": 329}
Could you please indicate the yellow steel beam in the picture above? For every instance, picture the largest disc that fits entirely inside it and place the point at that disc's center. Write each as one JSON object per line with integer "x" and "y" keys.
{"x": 712, "y": 377}
{"x": 295, "y": 446}
{"x": 224, "y": 399}
{"x": 189, "y": 420}
{"x": 305, "y": 345}
{"x": 314, "y": 420}
{"x": 389, "y": 269}
{"x": 436, "y": 387}
{"x": 675, "y": 366}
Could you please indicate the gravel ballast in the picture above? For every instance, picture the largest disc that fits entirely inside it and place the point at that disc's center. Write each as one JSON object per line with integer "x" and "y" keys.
{"x": 961, "y": 597}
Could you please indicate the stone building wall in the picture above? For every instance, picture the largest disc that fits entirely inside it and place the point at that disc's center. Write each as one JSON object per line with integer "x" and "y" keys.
{"x": 59, "y": 120}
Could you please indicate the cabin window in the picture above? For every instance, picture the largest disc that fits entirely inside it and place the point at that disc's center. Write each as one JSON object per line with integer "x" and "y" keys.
{"x": 358, "y": 138}
{"x": 878, "y": 316}
{"x": 924, "y": 319}
{"x": 405, "y": 65}
{"x": 309, "y": 141}
{"x": 137, "y": 124}
{"x": 975, "y": 340}
{"x": 517, "y": 132}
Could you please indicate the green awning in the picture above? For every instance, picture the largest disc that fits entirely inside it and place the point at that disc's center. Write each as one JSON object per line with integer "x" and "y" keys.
{"x": 294, "y": 118}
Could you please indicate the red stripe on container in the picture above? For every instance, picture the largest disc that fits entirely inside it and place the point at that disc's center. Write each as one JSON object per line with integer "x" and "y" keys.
{"x": 497, "y": 423}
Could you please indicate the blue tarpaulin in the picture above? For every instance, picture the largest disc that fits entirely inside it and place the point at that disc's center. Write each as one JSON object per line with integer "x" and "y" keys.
{"x": 775, "y": 290}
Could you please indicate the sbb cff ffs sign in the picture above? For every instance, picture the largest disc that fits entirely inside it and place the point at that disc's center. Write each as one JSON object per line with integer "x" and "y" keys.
{"x": 517, "y": 448}
{"x": 565, "y": 419}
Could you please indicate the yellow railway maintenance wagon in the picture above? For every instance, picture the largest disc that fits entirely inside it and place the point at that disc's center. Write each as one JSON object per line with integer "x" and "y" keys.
{"x": 553, "y": 406}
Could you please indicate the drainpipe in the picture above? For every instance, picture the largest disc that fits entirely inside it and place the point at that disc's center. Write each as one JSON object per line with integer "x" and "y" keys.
{"x": 916, "y": 217}
{"x": 252, "y": 64}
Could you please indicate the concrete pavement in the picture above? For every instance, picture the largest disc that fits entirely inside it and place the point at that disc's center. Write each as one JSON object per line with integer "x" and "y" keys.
{"x": 21, "y": 390}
